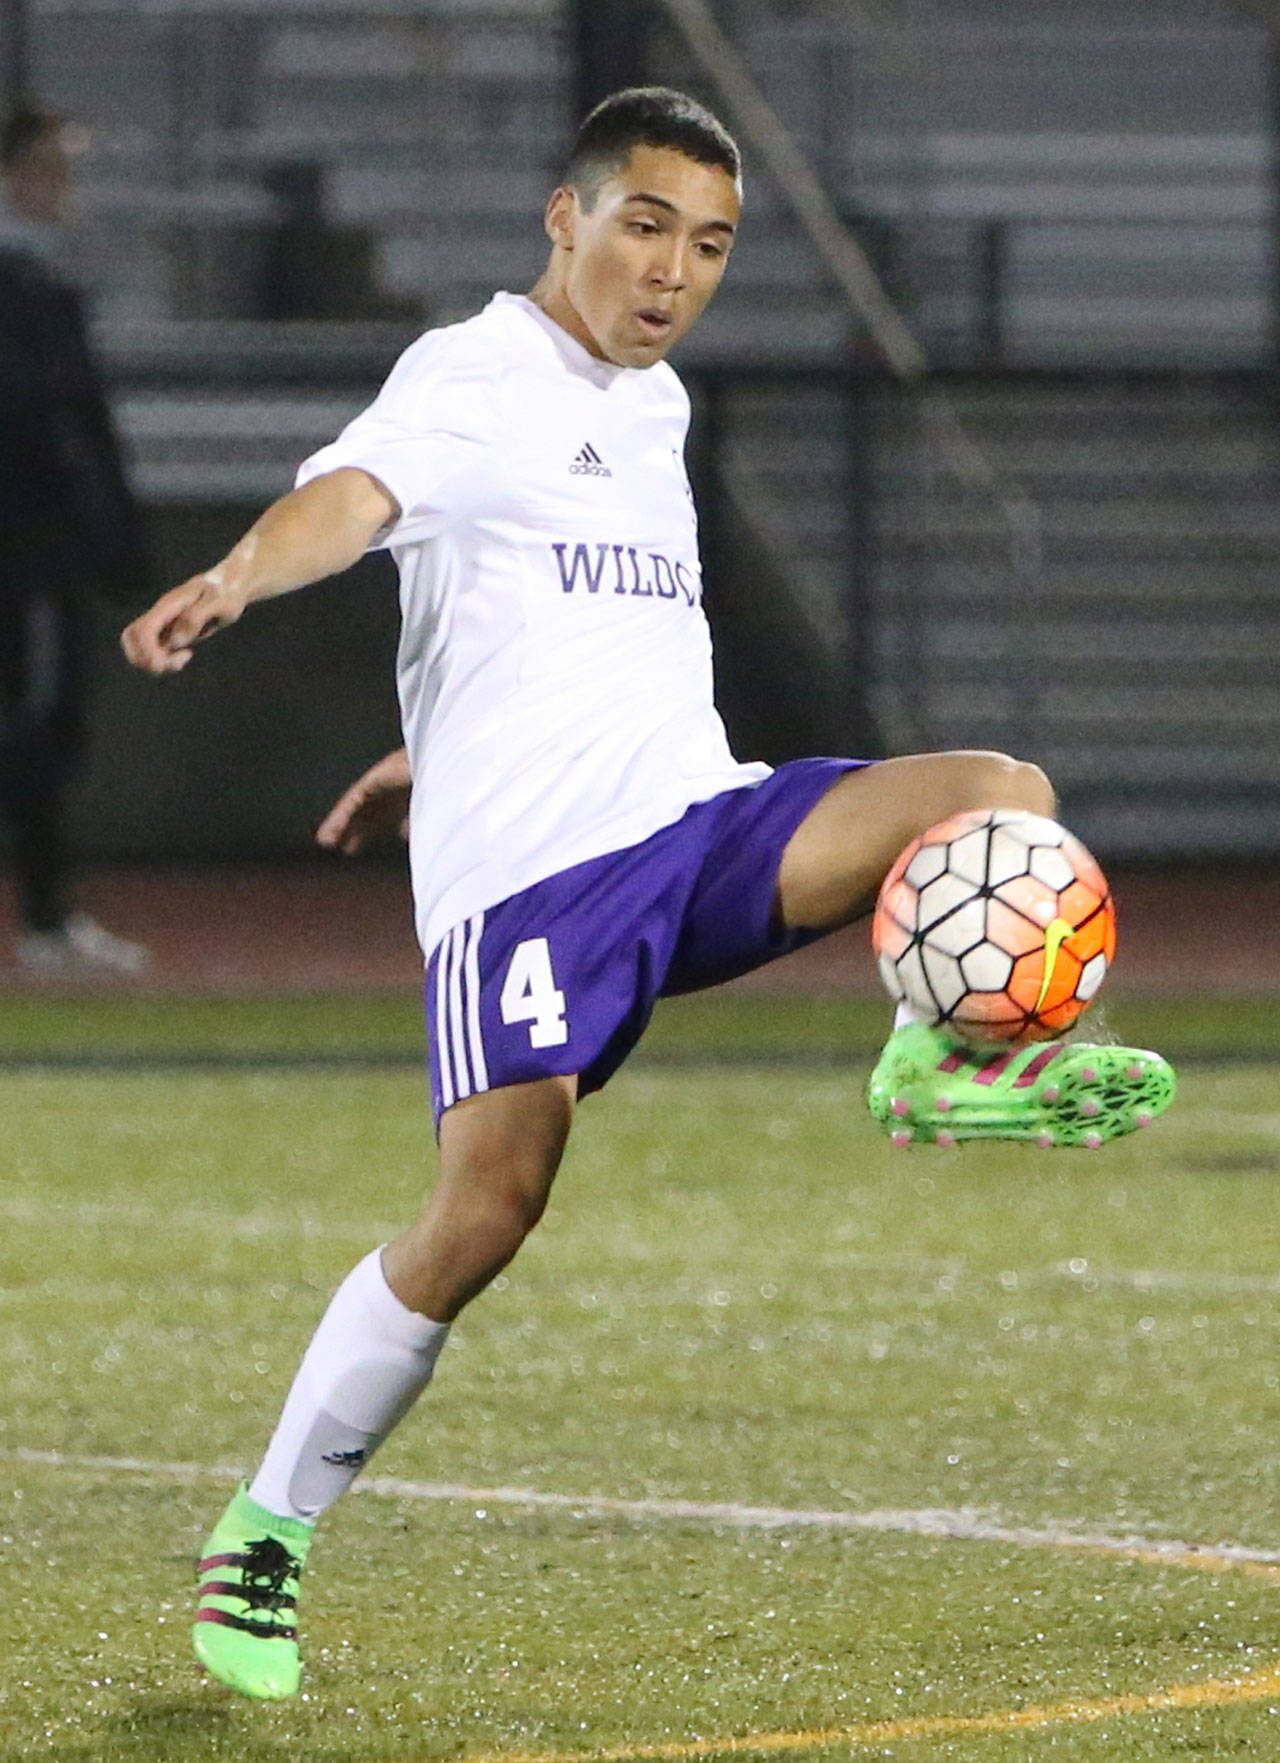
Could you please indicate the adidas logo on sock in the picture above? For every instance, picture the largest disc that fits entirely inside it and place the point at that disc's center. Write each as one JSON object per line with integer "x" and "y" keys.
{"x": 345, "y": 1459}
{"x": 588, "y": 463}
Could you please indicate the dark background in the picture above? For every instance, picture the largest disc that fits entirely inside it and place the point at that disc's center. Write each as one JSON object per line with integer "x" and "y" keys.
{"x": 1074, "y": 210}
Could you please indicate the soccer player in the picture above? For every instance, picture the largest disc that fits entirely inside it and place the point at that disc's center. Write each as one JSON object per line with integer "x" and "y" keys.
{"x": 582, "y": 840}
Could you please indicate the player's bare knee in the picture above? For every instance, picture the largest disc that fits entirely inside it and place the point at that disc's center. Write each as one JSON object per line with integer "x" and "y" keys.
{"x": 524, "y": 1200}
{"x": 1030, "y": 787}
{"x": 508, "y": 1190}
{"x": 996, "y": 780}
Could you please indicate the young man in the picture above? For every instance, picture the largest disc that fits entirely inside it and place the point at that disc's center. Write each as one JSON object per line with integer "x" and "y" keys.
{"x": 69, "y": 528}
{"x": 581, "y": 838}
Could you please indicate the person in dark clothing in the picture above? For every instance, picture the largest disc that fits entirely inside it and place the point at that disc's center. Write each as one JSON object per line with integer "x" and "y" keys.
{"x": 68, "y": 527}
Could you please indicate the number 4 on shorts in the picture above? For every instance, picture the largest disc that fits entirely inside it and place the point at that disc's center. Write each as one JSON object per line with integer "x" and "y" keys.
{"x": 529, "y": 994}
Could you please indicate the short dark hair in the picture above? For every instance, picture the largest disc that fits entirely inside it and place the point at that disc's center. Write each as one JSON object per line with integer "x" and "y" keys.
{"x": 646, "y": 116}
{"x": 23, "y": 127}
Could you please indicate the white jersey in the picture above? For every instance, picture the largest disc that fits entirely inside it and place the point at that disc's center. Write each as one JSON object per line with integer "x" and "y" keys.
{"x": 555, "y": 662}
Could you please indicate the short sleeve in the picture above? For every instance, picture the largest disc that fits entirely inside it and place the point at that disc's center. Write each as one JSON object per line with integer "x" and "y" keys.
{"x": 427, "y": 437}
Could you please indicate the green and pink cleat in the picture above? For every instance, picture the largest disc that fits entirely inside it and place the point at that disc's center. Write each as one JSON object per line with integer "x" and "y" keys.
{"x": 245, "y": 1630}
{"x": 929, "y": 1088}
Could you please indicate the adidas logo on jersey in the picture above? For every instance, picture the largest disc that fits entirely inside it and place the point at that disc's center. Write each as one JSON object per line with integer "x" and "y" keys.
{"x": 588, "y": 463}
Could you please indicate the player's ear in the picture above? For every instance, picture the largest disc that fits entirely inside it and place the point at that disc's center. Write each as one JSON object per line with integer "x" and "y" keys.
{"x": 561, "y": 216}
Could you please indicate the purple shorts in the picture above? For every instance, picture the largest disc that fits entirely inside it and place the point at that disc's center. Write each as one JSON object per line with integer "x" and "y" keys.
{"x": 563, "y": 977}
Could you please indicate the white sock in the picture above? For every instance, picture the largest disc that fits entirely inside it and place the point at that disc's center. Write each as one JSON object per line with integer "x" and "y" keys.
{"x": 368, "y": 1362}
{"x": 904, "y": 1016}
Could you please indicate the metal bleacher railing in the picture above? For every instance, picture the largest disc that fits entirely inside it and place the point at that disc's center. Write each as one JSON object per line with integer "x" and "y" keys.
{"x": 1058, "y": 204}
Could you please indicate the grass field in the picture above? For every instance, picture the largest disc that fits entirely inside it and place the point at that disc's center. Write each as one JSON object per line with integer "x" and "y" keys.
{"x": 1006, "y": 1409}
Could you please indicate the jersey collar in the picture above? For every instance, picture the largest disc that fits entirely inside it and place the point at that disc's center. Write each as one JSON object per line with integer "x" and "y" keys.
{"x": 575, "y": 357}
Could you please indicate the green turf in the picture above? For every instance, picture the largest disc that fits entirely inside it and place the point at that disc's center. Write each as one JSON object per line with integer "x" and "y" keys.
{"x": 388, "y": 1023}
{"x": 740, "y": 1293}
{"x": 723, "y": 1024}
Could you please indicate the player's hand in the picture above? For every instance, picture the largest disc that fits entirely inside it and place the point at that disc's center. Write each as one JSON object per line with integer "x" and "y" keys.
{"x": 162, "y": 640}
{"x": 376, "y": 806}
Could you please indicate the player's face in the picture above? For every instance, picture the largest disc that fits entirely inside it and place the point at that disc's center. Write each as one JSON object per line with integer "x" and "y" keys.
{"x": 636, "y": 268}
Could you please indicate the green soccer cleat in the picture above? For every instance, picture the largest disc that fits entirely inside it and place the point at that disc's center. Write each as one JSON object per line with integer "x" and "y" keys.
{"x": 245, "y": 1632}
{"x": 928, "y": 1087}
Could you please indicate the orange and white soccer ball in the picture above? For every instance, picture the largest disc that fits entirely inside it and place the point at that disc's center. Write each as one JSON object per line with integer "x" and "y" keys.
{"x": 997, "y": 925}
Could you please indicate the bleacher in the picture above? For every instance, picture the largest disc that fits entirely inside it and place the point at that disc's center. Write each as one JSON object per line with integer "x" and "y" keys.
{"x": 1109, "y": 166}
{"x": 419, "y": 119}
{"x": 1076, "y": 192}
{"x": 1081, "y": 209}
{"x": 1137, "y": 661}
{"x": 1096, "y": 191}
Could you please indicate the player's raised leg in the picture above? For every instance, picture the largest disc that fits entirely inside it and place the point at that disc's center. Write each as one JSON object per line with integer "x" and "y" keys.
{"x": 842, "y": 850}
{"x": 927, "y": 1085}
{"x": 371, "y": 1357}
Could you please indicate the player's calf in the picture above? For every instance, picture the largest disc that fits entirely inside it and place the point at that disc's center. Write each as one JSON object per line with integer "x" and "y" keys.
{"x": 369, "y": 1360}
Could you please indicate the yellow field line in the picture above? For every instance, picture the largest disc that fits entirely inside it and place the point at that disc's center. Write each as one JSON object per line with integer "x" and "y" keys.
{"x": 1216, "y": 1692}
{"x": 1201, "y": 1560}
{"x": 1211, "y": 1693}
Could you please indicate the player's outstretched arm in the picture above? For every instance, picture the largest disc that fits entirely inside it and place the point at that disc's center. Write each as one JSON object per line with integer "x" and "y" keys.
{"x": 374, "y": 807}
{"x": 313, "y": 532}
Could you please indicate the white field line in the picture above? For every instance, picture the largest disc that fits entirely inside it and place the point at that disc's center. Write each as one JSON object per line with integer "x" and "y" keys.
{"x": 253, "y": 1225}
{"x": 963, "y": 1524}
{"x": 1156, "y": 1280}
{"x": 105, "y": 1213}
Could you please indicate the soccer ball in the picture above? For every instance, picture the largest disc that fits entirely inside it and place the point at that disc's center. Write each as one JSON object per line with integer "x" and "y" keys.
{"x": 997, "y": 925}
